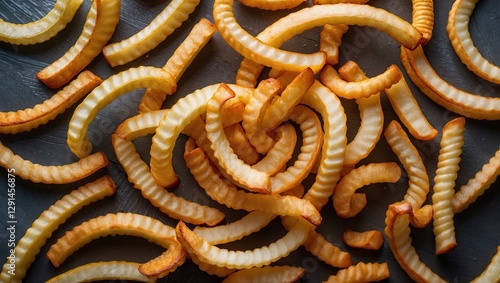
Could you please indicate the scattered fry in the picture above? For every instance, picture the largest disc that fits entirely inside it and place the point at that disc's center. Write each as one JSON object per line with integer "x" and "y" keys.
{"x": 361, "y": 272}
{"x": 370, "y": 240}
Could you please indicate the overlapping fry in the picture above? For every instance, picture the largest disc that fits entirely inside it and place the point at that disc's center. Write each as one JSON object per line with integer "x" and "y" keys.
{"x": 43, "y": 29}
{"x": 330, "y": 39}
{"x": 103, "y": 270}
{"x": 107, "y": 92}
{"x": 346, "y": 202}
{"x": 35, "y": 237}
{"x": 99, "y": 27}
{"x": 267, "y": 274}
{"x": 14, "y": 122}
{"x": 164, "y": 24}
{"x": 361, "y": 272}
{"x": 370, "y": 240}
{"x": 239, "y": 142}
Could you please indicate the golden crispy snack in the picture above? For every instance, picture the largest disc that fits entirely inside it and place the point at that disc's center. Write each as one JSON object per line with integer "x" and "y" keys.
{"x": 423, "y": 18}
{"x": 283, "y": 105}
{"x": 476, "y": 186}
{"x": 276, "y": 274}
{"x": 326, "y": 251}
{"x": 103, "y": 270}
{"x": 211, "y": 269}
{"x": 253, "y": 115}
{"x": 98, "y": 28}
{"x": 123, "y": 224}
{"x": 176, "y": 207}
{"x": 240, "y": 144}
{"x": 43, "y": 29}
{"x": 272, "y": 4}
{"x": 358, "y": 89}
{"x": 110, "y": 89}
{"x": 225, "y": 193}
{"x": 41, "y": 229}
{"x": 346, "y": 201}
{"x": 243, "y": 259}
{"x": 370, "y": 240}
{"x": 409, "y": 112}
{"x": 451, "y": 144}
{"x": 52, "y": 174}
{"x": 460, "y": 38}
{"x": 456, "y": 100}
{"x": 180, "y": 115}
{"x": 492, "y": 272}
{"x": 14, "y": 122}
{"x": 245, "y": 176}
{"x": 330, "y": 39}
{"x": 180, "y": 60}
{"x": 398, "y": 217}
{"x": 164, "y": 24}
{"x": 372, "y": 118}
{"x": 361, "y": 272}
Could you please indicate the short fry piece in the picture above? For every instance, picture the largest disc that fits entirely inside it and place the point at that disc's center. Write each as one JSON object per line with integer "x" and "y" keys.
{"x": 276, "y": 274}
{"x": 444, "y": 184}
{"x": 35, "y": 237}
{"x": 326, "y": 251}
{"x": 361, "y": 272}
{"x": 370, "y": 240}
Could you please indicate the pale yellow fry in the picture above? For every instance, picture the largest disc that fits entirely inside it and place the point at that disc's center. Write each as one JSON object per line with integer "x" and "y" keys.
{"x": 361, "y": 272}
{"x": 110, "y": 224}
{"x": 43, "y": 29}
{"x": 180, "y": 60}
{"x": 456, "y": 100}
{"x": 221, "y": 234}
{"x": 241, "y": 145}
{"x": 264, "y": 274}
{"x": 476, "y": 186}
{"x": 254, "y": 113}
{"x": 99, "y": 26}
{"x": 346, "y": 201}
{"x": 107, "y": 92}
{"x": 180, "y": 115}
{"x": 103, "y": 270}
{"x": 451, "y": 144}
{"x": 272, "y": 4}
{"x": 372, "y": 118}
{"x": 397, "y": 230}
{"x": 409, "y": 112}
{"x": 492, "y": 272}
{"x": 227, "y": 194}
{"x": 52, "y": 174}
{"x": 176, "y": 207}
{"x": 423, "y": 18}
{"x": 358, "y": 89}
{"x": 140, "y": 125}
{"x": 164, "y": 24}
{"x": 330, "y": 39}
{"x": 211, "y": 269}
{"x": 243, "y": 259}
{"x": 461, "y": 40}
{"x": 41, "y": 229}
{"x": 14, "y": 122}
{"x": 243, "y": 174}
{"x": 326, "y": 251}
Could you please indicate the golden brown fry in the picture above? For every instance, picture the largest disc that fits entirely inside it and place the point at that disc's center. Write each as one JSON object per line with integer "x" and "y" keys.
{"x": 358, "y": 89}
{"x": 346, "y": 202}
{"x": 52, "y": 174}
{"x": 99, "y": 27}
{"x": 41, "y": 229}
{"x": 451, "y": 144}
{"x": 330, "y": 39}
{"x": 423, "y": 18}
{"x": 327, "y": 251}
{"x": 361, "y": 272}
{"x": 180, "y": 60}
{"x": 30, "y": 118}
{"x": 240, "y": 144}
{"x": 370, "y": 240}
{"x": 276, "y": 274}
{"x": 398, "y": 217}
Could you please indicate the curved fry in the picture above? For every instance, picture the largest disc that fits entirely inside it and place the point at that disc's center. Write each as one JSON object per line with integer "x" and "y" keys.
{"x": 492, "y": 272}
{"x": 99, "y": 27}
{"x": 42, "y": 29}
{"x": 41, "y": 229}
{"x": 361, "y": 272}
{"x": 370, "y": 240}
{"x": 14, "y": 122}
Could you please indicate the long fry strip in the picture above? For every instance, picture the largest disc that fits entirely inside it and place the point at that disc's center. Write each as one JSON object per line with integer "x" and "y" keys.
{"x": 35, "y": 237}
{"x": 444, "y": 184}
{"x": 24, "y": 120}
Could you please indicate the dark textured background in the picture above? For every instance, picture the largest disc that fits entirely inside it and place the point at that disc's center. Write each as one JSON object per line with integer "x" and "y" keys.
{"x": 477, "y": 228}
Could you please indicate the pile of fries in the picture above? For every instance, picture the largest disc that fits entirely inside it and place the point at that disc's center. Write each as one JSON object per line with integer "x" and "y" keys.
{"x": 279, "y": 145}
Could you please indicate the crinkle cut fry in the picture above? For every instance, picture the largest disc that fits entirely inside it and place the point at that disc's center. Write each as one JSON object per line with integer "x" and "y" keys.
{"x": 35, "y": 237}
{"x": 276, "y": 273}
{"x": 492, "y": 272}
{"x": 361, "y": 272}
{"x": 423, "y": 18}
{"x": 330, "y": 40}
